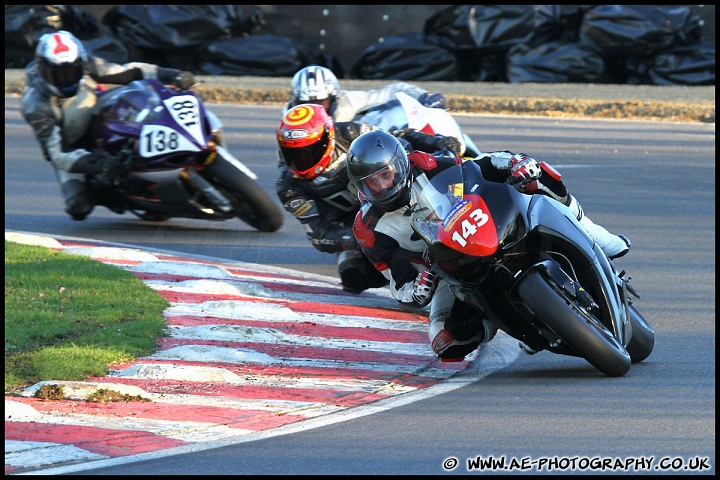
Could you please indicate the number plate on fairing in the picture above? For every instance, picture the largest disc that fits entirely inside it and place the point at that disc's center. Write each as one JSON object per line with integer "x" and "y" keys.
{"x": 469, "y": 228}
{"x": 186, "y": 112}
{"x": 159, "y": 140}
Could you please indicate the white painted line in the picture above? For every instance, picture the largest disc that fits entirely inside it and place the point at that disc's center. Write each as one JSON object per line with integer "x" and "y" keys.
{"x": 38, "y": 454}
{"x": 211, "y": 353}
{"x": 272, "y": 312}
{"x": 242, "y": 333}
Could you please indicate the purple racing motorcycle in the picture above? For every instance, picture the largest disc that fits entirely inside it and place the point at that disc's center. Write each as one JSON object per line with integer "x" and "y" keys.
{"x": 174, "y": 158}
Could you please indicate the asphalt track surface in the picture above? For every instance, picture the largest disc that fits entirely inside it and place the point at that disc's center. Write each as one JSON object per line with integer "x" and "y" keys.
{"x": 640, "y": 260}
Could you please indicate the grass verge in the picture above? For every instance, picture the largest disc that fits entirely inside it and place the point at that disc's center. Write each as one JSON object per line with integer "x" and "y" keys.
{"x": 69, "y": 317}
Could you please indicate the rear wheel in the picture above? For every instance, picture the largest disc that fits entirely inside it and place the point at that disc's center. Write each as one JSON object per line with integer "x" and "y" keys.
{"x": 582, "y": 332}
{"x": 250, "y": 202}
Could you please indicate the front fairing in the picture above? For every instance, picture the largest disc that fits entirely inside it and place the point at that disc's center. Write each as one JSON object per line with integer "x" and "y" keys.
{"x": 165, "y": 129}
{"x": 467, "y": 221}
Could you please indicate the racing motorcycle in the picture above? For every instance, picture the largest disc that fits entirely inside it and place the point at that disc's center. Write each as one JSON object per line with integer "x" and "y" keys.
{"x": 525, "y": 263}
{"x": 406, "y": 112}
{"x": 175, "y": 162}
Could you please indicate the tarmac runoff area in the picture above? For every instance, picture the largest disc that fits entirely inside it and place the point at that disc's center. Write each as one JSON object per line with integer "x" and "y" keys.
{"x": 253, "y": 352}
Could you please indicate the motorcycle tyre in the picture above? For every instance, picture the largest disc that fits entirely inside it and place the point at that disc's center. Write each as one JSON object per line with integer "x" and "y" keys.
{"x": 250, "y": 202}
{"x": 591, "y": 340}
{"x": 642, "y": 342}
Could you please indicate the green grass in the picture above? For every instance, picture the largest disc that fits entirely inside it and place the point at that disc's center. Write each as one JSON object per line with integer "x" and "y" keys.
{"x": 68, "y": 317}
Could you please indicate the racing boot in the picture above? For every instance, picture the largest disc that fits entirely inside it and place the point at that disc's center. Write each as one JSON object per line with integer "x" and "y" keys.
{"x": 357, "y": 273}
{"x": 78, "y": 202}
{"x": 614, "y": 246}
{"x": 456, "y": 332}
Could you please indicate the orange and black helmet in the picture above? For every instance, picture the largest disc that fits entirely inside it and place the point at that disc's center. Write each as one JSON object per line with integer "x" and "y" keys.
{"x": 306, "y": 136}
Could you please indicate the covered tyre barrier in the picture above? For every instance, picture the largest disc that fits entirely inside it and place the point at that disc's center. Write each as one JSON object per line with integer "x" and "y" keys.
{"x": 408, "y": 56}
{"x": 265, "y": 55}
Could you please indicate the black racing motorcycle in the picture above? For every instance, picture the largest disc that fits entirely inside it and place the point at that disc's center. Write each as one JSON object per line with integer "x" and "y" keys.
{"x": 528, "y": 266}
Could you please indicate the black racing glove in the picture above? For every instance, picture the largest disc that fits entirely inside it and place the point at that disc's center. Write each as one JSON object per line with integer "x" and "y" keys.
{"x": 441, "y": 142}
{"x": 104, "y": 166}
{"x": 97, "y": 163}
{"x": 524, "y": 169}
{"x": 184, "y": 80}
{"x": 433, "y": 100}
{"x": 172, "y": 76}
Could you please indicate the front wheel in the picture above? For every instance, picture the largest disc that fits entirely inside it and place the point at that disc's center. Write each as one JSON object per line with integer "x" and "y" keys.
{"x": 584, "y": 334}
{"x": 250, "y": 202}
{"x": 642, "y": 342}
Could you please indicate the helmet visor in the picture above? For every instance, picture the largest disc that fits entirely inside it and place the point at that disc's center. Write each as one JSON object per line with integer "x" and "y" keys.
{"x": 302, "y": 160}
{"x": 326, "y": 103}
{"x": 383, "y": 186}
{"x": 65, "y": 77}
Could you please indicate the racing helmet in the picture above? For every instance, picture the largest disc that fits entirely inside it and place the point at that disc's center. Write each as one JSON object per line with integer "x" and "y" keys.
{"x": 379, "y": 168}
{"x": 315, "y": 84}
{"x": 61, "y": 59}
{"x": 306, "y": 136}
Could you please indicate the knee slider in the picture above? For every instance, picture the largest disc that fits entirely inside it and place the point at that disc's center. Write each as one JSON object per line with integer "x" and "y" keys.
{"x": 460, "y": 334}
{"x": 448, "y": 349}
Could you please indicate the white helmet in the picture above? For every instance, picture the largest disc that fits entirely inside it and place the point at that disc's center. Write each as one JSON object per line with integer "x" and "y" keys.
{"x": 315, "y": 84}
{"x": 61, "y": 60}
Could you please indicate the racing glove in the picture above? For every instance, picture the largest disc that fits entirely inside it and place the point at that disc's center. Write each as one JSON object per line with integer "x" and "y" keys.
{"x": 524, "y": 169}
{"x": 442, "y": 142}
{"x": 424, "y": 287}
{"x": 172, "y": 76}
{"x": 98, "y": 163}
{"x": 433, "y": 100}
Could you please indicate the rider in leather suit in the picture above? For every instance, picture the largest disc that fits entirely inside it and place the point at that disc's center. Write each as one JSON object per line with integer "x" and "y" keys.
{"x": 383, "y": 170}
{"x": 58, "y": 102}
{"x": 313, "y": 185}
{"x": 315, "y": 84}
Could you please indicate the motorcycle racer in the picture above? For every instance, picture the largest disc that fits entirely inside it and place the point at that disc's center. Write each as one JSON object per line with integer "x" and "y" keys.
{"x": 316, "y": 84}
{"x": 313, "y": 185}
{"x": 383, "y": 170}
{"x": 58, "y": 101}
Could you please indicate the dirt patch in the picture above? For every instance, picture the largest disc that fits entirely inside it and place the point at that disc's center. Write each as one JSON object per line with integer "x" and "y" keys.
{"x": 103, "y": 395}
{"x": 50, "y": 392}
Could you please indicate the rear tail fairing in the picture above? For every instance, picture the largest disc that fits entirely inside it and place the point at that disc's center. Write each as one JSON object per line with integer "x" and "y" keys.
{"x": 404, "y": 111}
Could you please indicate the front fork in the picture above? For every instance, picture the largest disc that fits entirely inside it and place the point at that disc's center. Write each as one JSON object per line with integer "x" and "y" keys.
{"x": 198, "y": 185}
